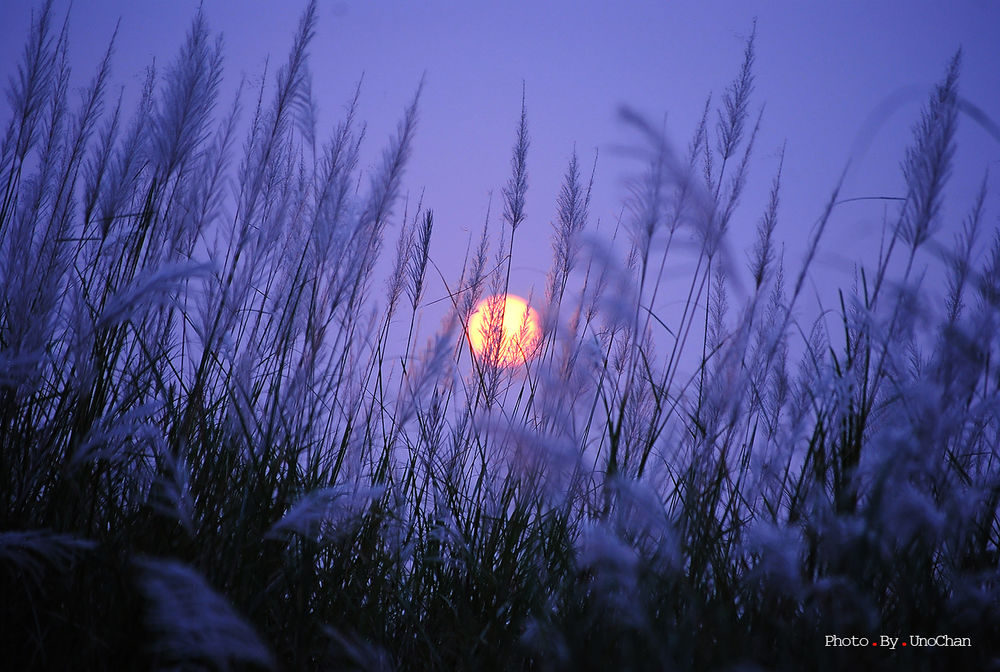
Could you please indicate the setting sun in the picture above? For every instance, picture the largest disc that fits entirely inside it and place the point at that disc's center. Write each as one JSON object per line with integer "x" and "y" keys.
{"x": 518, "y": 336}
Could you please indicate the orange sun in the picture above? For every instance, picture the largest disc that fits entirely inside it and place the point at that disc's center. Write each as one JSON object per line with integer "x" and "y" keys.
{"x": 504, "y": 329}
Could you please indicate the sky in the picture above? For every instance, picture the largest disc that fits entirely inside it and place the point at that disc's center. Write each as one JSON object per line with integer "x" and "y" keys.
{"x": 823, "y": 73}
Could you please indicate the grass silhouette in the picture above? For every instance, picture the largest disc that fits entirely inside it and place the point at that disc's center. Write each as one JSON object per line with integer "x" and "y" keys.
{"x": 206, "y": 459}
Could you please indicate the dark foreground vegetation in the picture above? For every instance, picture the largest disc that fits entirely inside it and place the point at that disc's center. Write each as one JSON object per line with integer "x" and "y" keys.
{"x": 208, "y": 458}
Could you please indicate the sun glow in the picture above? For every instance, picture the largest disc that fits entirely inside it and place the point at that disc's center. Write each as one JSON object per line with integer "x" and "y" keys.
{"x": 505, "y": 330}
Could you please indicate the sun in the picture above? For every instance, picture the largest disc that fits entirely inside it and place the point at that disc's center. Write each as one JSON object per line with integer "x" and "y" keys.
{"x": 504, "y": 329}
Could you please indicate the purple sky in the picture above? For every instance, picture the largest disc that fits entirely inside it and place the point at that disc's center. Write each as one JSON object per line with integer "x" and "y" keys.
{"x": 821, "y": 72}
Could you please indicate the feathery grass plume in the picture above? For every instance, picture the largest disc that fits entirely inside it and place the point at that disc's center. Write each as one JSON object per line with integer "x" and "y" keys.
{"x": 488, "y": 375}
{"x": 647, "y": 201}
{"x": 192, "y": 623}
{"x": 776, "y": 553}
{"x": 121, "y": 187}
{"x": 416, "y": 266}
{"x": 778, "y": 383}
{"x": 667, "y": 173}
{"x": 517, "y": 186}
{"x": 928, "y": 162}
{"x": 26, "y": 551}
{"x": 365, "y": 241}
{"x": 435, "y": 364}
{"x": 322, "y": 515}
{"x": 418, "y": 260}
{"x": 925, "y": 169}
{"x": 117, "y": 435}
{"x": 572, "y": 206}
{"x": 98, "y": 167}
{"x": 960, "y": 258}
{"x": 27, "y": 95}
{"x": 400, "y": 267}
{"x": 736, "y": 100}
{"x": 639, "y": 516}
{"x": 265, "y": 144}
{"x": 514, "y": 201}
{"x": 265, "y": 199}
{"x": 180, "y": 122}
{"x": 474, "y": 290}
{"x": 151, "y": 288}
{"x": 385, "y": 182}
{"x": 33, "y": 252}
{"x": 762, "y": 257}
{"x": 730, "y": 130}
{"x": 170, "y": 493}
{"x": 718, "y": 309}
{"x": 542, "y": 464}
{"x": 613, "y": 564}
{"x": 335, "y": 182}
{"x": 91, "y": 109}
{"x": 679, "y": 205}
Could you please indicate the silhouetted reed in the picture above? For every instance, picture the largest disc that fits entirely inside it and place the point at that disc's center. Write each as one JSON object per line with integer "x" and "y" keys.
{"x": 209, "y": 459}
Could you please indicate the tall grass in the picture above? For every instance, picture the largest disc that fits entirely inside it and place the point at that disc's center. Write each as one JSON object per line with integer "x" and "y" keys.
{"x": 208, "y": 459}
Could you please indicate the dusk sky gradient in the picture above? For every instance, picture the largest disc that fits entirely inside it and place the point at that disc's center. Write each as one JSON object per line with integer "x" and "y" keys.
{"x": 823, "y": 70}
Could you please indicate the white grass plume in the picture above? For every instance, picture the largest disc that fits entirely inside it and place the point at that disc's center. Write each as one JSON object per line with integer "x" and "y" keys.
{"x": 191, "y": 622}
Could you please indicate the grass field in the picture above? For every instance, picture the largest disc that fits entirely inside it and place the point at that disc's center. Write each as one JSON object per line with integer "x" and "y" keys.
{"x": 209, "y": 460}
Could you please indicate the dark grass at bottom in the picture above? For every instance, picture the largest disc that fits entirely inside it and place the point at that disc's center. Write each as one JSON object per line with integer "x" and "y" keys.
{"x": 90, "y": 615}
